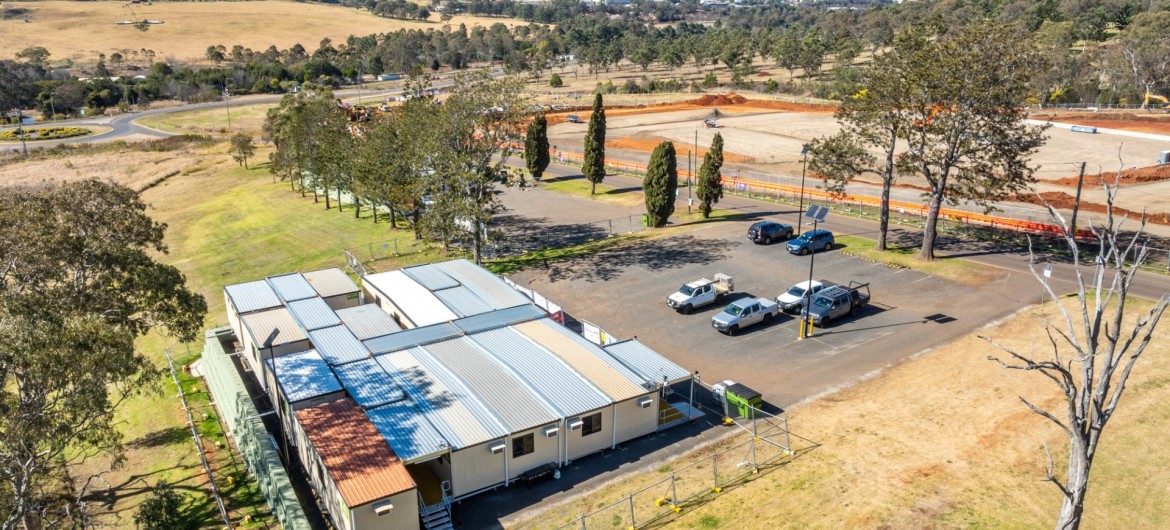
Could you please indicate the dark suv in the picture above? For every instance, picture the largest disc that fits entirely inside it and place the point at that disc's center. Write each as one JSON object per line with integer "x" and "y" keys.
{"x": 811, "y": 241}
{"x": 769, "y": 231}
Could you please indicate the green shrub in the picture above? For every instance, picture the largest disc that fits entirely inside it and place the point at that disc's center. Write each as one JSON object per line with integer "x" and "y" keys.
{"x": 555, "y": 81}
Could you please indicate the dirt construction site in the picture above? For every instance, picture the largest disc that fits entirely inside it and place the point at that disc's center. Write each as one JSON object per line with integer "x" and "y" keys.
{"x": 765, "y": 137}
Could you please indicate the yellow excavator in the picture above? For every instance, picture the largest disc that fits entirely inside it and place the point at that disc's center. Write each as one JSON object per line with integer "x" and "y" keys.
{"x": 1155, "y": 97}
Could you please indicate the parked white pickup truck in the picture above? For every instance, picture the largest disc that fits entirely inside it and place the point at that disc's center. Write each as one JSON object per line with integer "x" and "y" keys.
{"x": 743, "y": 313}
{"x": 700, "y": 293}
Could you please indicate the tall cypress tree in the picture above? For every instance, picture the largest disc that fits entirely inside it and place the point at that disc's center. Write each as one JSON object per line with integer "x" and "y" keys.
{"x": 536, "y": 146}
{"x": 710, "y": 187}
{"x": 660, "y": 184}
{"x": 593, "y": 165}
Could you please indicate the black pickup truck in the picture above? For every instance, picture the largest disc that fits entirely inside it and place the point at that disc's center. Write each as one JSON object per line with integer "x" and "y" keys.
{"x": 835, "y": 302}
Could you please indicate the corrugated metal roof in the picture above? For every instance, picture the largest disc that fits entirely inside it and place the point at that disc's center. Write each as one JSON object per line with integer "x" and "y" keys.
{"x": 331, "y": 282}
{"x": 505, "y": 394}
{"x": 252, "y": 296}
{"x": 338, "y": 346}
{"x": 564, "y": 388}
{"x": 411, "y": 337}
{"x": 431, "y": 277}
{"x": 368, "y": 321}
{"x": 407, "y": 430}
{"x": 454, "y": 411}
{"x": 356, "y": 456}
{"x": 647, "y": 363}
{"x": 617, "y": 381}
{"x": 463, "y": 301}
{"x": 263, "y": 323}
{"x": 313, "y": 313}
{"x": 304, "y": 375}
{"x": 291, "y": 287}
{"x": 500, "y": 318}
{"x": 488, "y": 286}
{"x": 419, "y": 305}
{"x": 368, "y": 384}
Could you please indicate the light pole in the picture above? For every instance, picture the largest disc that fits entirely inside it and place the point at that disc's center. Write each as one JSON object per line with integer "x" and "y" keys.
{"x": 817, "y": 214}
{"x": 276, "y": 391}
{"x": 803, "y": 168}
{"x": 227, "y": 108}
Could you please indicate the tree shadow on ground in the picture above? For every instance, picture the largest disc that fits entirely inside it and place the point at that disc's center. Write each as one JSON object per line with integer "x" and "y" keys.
{"x": 527, "y": 234}
{"x": 167, "y": 436}
{"x": 656, "y": 255}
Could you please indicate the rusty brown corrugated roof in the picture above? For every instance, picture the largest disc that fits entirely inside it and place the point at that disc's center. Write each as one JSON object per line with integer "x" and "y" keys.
{"x": 355, "y": 455}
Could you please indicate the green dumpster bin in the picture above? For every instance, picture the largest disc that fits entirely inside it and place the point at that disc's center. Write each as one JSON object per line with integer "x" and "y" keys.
{"x": 645, "y": 220}
{"x": 744, "y": 399}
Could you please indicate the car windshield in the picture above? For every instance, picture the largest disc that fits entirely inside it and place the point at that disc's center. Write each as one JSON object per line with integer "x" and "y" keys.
{"x": 796, "y": 290}
{"x": 804, "y": 238}
{"x": 687, "y": 290}
{"x": 822, "y": 301}
{"x": 733, "y": 309}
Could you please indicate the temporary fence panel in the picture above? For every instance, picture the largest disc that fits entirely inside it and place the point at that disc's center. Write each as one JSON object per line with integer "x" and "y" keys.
{"x": 247, "y": 429}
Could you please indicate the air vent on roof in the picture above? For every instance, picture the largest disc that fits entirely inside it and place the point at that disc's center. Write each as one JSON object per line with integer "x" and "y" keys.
{"x": 496, "y": 448}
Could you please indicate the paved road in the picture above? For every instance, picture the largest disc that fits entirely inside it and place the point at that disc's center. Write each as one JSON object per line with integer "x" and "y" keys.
{"x": 122, "y": 126}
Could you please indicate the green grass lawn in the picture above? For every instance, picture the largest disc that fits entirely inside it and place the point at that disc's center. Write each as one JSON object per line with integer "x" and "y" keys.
{"x": 225, "y": 225}
{"x": 954, "y": 269}
{"x": 213, "y": 121}
{"x": 579, "y": 187}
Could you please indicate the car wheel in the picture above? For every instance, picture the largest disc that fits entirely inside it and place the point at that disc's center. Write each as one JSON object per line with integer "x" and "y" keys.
{"x": 825, "y": 322}
{"x": 854, "y": 311}
{"x": 828, "y": 247}
{"x": 788, "y": 235}
{"x": 767, "y": 241}
{"x": 767, "y": 319}
{"x": 733, "y": 330}
{"x": 804, "y": 251}
{"x": 686, "y": 310}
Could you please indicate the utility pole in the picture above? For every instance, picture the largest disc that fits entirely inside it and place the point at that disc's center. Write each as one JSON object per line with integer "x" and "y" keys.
{"x": 688, "y": 181}
{"x": 227, "y": 108}
{"x": 1077, "y": 202}
{"x": 20, "y": 131}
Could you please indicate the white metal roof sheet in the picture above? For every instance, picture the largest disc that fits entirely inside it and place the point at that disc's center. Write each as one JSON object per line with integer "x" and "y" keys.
{"x": 368, "y": 321}
{"x": 303, "y": 375}
{"x": 505, "y": 394}
{"x": 499, "y": 318}
{"x": 646, "y": 362}
{"x": 291, "y": 287}
{"x": 331, "y": 282}
{"x": 313, "y": 313}
{"x": 263, "y": 323}
{"x": 368, "y": 384}
{"x": 338, "y": 346}
{"x": 419, "y": 305}
{"x": 463, "y": 301}
{"x": 617, "y": 381}
{"x": 409, "y": 338}
{"x": 454, "y": 410}
{"x": 565, "y": 389}
{"x": 252, "y": 296}
{"x": 431, "y": 277}
{"x": 407, "y": 430}
{"x": 488, "y": 286}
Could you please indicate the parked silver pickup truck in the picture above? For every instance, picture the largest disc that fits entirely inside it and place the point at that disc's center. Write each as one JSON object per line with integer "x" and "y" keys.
{"x": 743, "y": 313}
{"x": 836, "y": 302}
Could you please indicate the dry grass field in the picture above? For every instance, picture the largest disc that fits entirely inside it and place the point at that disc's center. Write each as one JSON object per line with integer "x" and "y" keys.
{"x": 79, "y": 31}
{"x": 941, "y": 442}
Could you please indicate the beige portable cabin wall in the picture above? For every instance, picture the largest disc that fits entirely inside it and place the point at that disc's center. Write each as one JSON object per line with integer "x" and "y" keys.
{"x": 376, "y": 296}
{"x": 343, "y": 301}
{"x": 404, "y": 515}
{"x": 633, "y": 420}
{"x": 577, "y": 444}
{"x": 545, "y": 450}
{"x": 475, "y": 468}
{"x": 234, "y": 319}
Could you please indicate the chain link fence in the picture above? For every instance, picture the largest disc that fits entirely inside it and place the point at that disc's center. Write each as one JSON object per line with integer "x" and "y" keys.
{"x": 763, "y": 445}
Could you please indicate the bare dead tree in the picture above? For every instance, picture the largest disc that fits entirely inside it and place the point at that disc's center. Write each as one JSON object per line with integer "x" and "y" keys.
{"x": 1093, "y": 353}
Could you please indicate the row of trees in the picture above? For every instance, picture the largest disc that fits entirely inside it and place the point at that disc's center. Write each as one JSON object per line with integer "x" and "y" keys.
{"x": 436, "y": 166}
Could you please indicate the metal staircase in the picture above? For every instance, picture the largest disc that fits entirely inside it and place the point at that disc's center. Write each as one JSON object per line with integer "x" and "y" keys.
{"x": 436, "y": 516}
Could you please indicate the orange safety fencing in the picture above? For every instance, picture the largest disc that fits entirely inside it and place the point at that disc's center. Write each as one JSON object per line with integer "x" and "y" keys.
{"x": 959, "y": 216}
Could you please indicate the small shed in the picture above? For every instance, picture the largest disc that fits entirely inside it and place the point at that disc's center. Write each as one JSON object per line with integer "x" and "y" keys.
{"x": 287, "y": 337}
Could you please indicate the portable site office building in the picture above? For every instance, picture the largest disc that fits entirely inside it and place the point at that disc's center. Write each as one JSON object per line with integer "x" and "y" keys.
{"x": 288, "y": 338}
{"x": 335, "y": 287}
